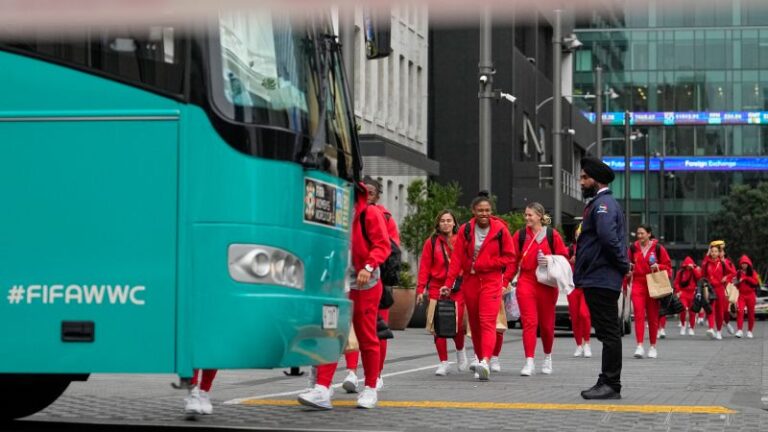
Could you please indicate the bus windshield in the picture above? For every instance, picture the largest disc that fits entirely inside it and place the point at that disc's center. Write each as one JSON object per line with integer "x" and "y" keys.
{"x": 284, "y": 73}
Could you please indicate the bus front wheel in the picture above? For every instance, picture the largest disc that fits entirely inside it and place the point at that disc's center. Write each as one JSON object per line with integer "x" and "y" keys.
{"x": 26, "y": 394}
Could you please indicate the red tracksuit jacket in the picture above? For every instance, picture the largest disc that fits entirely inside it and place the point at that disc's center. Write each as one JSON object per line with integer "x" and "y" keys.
{"x": 379, "y": 248}
{"x": 747, "y": 283}
{"x": 530, "y": 262}
{"x": 433, "y": 266}
{"x": 686, "y": 278}
{"x": 494, "y": 256}
{"x": 715, "y": 270}
{"x": 642, "y": 263}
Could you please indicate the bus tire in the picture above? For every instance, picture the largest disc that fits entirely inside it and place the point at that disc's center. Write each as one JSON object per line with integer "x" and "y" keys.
{"x": 25, "y": 394}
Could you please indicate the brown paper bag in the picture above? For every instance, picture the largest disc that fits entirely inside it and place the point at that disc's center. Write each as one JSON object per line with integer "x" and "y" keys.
{"x": 501, "y": 319}
{"x": 733, "y": 293}
{"x": 431, "y": 316}
{"x": 352, "y": 344}
{"x": 658, "y": 284}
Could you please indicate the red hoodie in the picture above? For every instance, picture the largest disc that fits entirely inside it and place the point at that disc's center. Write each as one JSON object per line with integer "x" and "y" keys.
{"x": 494, "y": 255}
{"x": 642, "y": 263}
{"x": 747, "y": 283}
{"x": 394, "y": 234}
{"x": 377, "y": 251}
{"x": 686, "y": 278}
{"x": 433, "y": 266}
{"x": 715, "y": 270}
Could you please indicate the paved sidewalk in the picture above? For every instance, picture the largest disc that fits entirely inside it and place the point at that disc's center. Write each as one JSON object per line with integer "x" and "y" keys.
{"x": 725, "y": 378}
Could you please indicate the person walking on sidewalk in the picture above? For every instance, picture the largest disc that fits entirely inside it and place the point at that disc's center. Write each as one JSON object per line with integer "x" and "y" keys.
{"x": 601, "y": 264}
{"x": 718, "y": 273}
{"x": 747, "y": 283}
{"x": 369, "y": 251}
{"x": 433, "y": 270}
{"x": 646, "y": 256}
{"x": 581, "y": 323}
{"x": 537, "y": 301}
{"x": 685, "y": 288}
{"x": 483, "y": 250}
{"x": 350, "y": 384}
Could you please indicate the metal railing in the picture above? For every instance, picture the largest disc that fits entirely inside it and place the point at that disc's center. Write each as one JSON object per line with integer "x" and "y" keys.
{"x": 570, "y": 183}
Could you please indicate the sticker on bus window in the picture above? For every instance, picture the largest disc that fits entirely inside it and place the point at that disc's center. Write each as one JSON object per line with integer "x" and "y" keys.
{"x": 326, "y": 204}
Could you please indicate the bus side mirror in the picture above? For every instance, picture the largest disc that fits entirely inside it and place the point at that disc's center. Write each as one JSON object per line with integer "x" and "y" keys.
{"x": 378, "y": 30}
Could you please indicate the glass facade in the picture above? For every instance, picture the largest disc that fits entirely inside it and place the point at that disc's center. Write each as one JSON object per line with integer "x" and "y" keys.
{"x": 690, "y": 55}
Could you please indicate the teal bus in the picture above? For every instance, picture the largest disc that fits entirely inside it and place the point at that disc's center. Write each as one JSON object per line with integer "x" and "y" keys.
{"x": 172, "y": 199}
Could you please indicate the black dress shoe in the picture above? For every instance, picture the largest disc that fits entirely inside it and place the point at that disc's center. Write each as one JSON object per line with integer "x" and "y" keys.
{"x": 602, "y": 392}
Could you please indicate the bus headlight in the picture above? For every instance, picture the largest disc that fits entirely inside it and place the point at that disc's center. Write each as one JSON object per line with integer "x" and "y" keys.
{"x": 265, "y": 265}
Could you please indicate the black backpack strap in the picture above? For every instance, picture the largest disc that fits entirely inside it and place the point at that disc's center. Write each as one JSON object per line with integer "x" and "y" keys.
{"x": 551, "y": 239}
{"x": 521, "y": 234}
{"x": 467, "y": 231}
{"x": 362, "y": 226}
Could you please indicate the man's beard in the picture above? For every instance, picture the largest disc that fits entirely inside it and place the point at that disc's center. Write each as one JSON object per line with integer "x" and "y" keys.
{"x": 589, "y": 192}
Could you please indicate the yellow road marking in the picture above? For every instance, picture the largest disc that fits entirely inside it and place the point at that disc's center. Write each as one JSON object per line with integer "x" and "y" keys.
{"x": 645, "y": 409}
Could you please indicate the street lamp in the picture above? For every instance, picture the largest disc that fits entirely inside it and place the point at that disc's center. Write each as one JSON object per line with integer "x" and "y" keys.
{"x": 551, "y": 98}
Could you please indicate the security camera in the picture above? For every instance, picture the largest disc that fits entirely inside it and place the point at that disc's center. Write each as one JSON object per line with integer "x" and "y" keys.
{"x": 508, "y": 97}
{"x": 572, "y": 42}
{"x": 531, "y": 60}
{"x": 571, "y": 131}
{"x": 483, "y": 79}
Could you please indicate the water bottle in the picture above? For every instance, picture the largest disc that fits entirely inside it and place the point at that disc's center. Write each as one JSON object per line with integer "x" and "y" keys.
{"x": 539, "y": 255}
{"x": 652, "y": 260}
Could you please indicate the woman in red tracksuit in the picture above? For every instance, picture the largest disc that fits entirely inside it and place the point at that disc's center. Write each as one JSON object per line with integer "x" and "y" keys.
{"x": 433, "y": 269}
{"x": 483, "y": 250}
{"x": 350, "y": 384}
{"x": 719, "y": 273}
{"x": 685, "y": 288}
{"x": 747, "y": 283}
{"x": 367, "y": 256}
{"x": 581, "y": 321}
{"x": 646, "y": 257}
{"x": 537, "y": 301}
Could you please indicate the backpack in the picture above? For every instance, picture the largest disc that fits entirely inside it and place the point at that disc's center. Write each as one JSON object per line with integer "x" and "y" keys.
{"x": 390, "y": 268}
{"x": 550, "y": 239}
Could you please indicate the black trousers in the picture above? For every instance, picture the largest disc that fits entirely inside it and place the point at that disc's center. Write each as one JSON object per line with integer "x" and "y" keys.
{"x": 604, "y": 310}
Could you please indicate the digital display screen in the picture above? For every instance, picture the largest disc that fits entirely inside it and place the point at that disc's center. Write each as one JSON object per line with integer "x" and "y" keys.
{"x": 684, "y": 118}
{"x": 693, "y": 163}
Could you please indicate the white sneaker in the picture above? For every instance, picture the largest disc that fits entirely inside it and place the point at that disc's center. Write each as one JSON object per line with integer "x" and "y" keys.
{"x": 680, "y": 324}
{"x": 652, "y": 352}
{"x": 739, "y": 334}
{"x": 192, "y": 402}
{"x": 683, "y": 330}
{"x": 691, "y": 332}
{"x": 662, "y": 334}
{"x": 462, "y": 363}
{"x": 477, "y": 375}
{"x": 379, "y": 384}
{"x": 587, "y": 350}
{"x": 546, "y": 367}
{"x": 711, "y": 333}
{"x": 319, "y": 398}
{"x": 312, "y": 378}
{"x": 442, "y": 370}
{"x": 639, "y": 352}
{"x": 350, "y": 382}
{"x": 483, "y": 371}
{"x": 495, "y": 365}
{"x": 368, "y": 398}
{"x": 205, "y": 403}
{"x": 730, "y": 329}
{"x": 719, "y": 335}
{"x": 529, "y": 367}
{"x": 579, "y": 351}
{"x": 750, "y": 335}
{"x": 475, "y": 363}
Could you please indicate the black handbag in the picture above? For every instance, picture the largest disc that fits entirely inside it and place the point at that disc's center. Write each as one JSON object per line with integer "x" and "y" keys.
{"x": 445, "y": 319}
{"x": 382, "y": 329}
{"x": 456, "y": 285}
{"x": 387, "y": 298}
{"x": 670, "y": 305}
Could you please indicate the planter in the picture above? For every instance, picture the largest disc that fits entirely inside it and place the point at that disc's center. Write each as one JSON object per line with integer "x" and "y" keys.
{"x": 400, "y": 313}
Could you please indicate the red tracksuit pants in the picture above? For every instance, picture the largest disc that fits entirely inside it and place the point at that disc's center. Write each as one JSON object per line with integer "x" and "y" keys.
{"x": 686, "y": 298}
{"x": 746, "y": 300}
{"x": 482, "y": 296}
{"x": 719, "y": 308}
{"x": 580, "y": 319}
{"x": 644, "y": 308}
{"x": 537, "y": 311}
{"x": 364, "y": 315}
{"x": 352, "y": 359}
{"x": 205, "y": 378}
